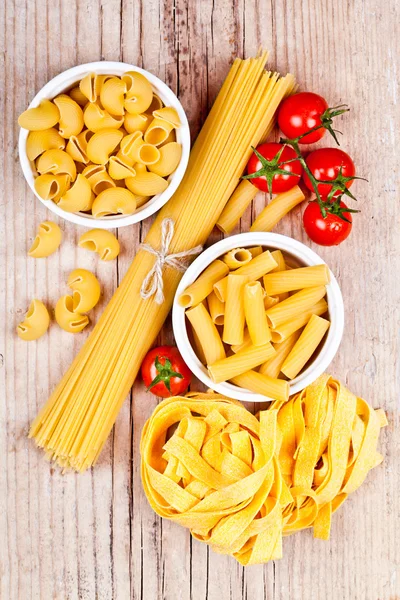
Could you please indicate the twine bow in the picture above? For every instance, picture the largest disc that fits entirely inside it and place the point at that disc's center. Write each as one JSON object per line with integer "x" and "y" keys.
{"x": 153, "y": 282}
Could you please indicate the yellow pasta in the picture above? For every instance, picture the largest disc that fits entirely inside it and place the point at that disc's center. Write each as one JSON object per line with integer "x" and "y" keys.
{"x": 139, "y": 93}
{"x": 158, "y": 131}
{"x": 197, "y": 346}
{"x": 203, "y": 286}
{"x": 71, "y": 116}
{"x": 77, "y": 95}
{"x": 96, "y": 118}
{"x": 51, "y": 187}
{"x": 272, "y": 367}
{"x": 112, "y": 96}
{"x": 79, "y": 197}
{"x": 88, "y": 87}
{"x": 135, "y": 122}
{"x": 305, "y": 346}
{"x": 277, "y": 209}
{"x": 102, "y": 144}
{"x": 241, "y": 198}
{"x": 294, "y": 305}
{"x": 255, "y": 269}
{"x": 119, "y": 169}
{"x": 40, "y": 141}
{"x": 101, "y": 241}
{"x": 245, "y": 360}
{"x": 47, "y": 241}
{"x": 66, "y": 317}
{"x": 113, "y": 201}
{"x": 256, "y": 251}
{"x": 207, "y": 333}
{"x": 238, "y": 257}
{"x": 44, "y": 116}
{"x": 254, "y": 311}
{"x": 77, "y": 146}
{"x": 35, "y": 323}
{"x": 156, "y": 104}
{"x": 296, "y": 279}
{"x": 170, "y": 157}
{"x": 282, "y": 332}
{"x": 245, "y": 344}
{"x": 86, "y": 290}
{"x": 146, "y": 184}
{"x": 234, "y": 309}
{"x": 272, "y": 388}
{"x": 56, "y": 162}
{"x": 216, "y": 309}
{"x": 167, "y": 113}
{"x": 98, "y": 178}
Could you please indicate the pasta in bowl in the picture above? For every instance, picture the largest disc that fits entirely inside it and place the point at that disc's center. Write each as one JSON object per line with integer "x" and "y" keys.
{"x": 104, "y": 144}
{"x": 258, "y": 316}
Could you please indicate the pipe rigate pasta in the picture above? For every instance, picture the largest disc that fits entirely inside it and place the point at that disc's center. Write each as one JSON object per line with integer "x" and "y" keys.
{"x": 158, "y": 131}
{"x": 98, "y": 178}
{"x": 86, "y": 290}
{"x": 77, "y": 146}
{"x": 89, "y": 86}
{"x": 146, "y": 184}
{"x": 101, "y": 241}
{"x": 71, "y": 116}
{"x": 156, "y": 103}
{"x": 47, "y": 241}
{"x": 168, "y": 113}
{"x": 66, "y": 317}
{"x": 170, "y": 157}
{"x": 139, "y": 93}
{"x": 112, "y": 96}
{"x": 57, "y": 162}
{"x": 52, "y": 187}
{"x": 134, "y": 122}
{"x": 44, "y": 116}
{"x": 96, "y": 118}
{"x": 36, "y": 322}
{"x": 102, "y": 144}
{"x": 40, "y": 141}
{"x": 119, "y": 169}
{"x": 114, "y": 201}
{"x": 79, "y": 197}
{"x": 77, "y": 95}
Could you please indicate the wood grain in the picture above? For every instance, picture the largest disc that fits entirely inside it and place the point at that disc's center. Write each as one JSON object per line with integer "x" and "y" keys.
{"x": 94, "y": 535}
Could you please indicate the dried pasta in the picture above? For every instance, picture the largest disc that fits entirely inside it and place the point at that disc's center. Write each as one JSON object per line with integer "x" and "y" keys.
{"x": 86, "y": 290}
{"x": 207, "y": 333}
{"x": 277, "y": 209}
{"x": 113, "y": 201}
{"x": 305, "y": 346}
{"x": 203, "y": 286}
{"x": 67, "y": 318}
{"x": 40, "y": 141}
{"x": 47, "y": 240}
{"x": 101, "y": 241}
{"x": 35, "y": 323}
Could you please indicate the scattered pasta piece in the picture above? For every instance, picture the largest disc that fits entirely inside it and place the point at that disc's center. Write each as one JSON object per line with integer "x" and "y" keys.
{"x": 101, "y": 241}
{"x": 47, "y": 240}
{"x": 36, "y": 322}
{"x": 240, "y": 483}
{"x": 86, "y": 290}
{"x": 66, "y": 317}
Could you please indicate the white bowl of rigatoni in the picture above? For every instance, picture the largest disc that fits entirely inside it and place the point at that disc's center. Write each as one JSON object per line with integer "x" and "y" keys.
{"x": 258, "y": 316}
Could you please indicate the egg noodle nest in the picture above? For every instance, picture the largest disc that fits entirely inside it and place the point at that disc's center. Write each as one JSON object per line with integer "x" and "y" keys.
{"x": 240, "y": 482}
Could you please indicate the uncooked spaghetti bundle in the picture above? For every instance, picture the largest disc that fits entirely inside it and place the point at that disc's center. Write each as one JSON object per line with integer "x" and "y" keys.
{"x": 241, "y": 482}
{"x": 77, "y": 419}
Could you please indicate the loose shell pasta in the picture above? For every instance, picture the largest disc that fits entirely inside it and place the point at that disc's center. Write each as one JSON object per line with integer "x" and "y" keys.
{"x": 101, "y": 241}
{"x": 44, "y": 116}
{"x": 36, "y": 322}
{"x": 46, "y": 241}
{"x": 40, "y": 141}
{"x": 71, "y": 116}
{"x": 86, "y": 290}
{"x": 66, "y": 317}
{"x": 114, "y": 201}
{"x": 79, "y": 197}
{"x": 56, "y": 162}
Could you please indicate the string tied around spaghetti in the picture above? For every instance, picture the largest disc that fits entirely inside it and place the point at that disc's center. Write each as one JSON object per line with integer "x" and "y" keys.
{"x": 153, "y": 282}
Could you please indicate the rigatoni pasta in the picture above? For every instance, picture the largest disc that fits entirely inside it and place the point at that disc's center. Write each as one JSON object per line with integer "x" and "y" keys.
{"x": 305, "y": 346}
{"x": 234, "y": 309}
{"x": 207, "y": 333}
{"x": 277, "y": 209}
{"x": 254, "y": 311}
{"x": 203, "y": 286}
{"x": 296, "y": 279}
{"x": 245, "y": 360}
{"x": 112, "y": 130}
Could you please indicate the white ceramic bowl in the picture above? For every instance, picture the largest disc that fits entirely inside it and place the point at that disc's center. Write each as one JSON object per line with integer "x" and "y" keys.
{"x": 301, "y": 254}
{"x": 65, "y": 81}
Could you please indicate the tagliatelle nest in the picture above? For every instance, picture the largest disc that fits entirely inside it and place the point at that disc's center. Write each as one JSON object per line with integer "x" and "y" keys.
{"x": 241, "y": 482}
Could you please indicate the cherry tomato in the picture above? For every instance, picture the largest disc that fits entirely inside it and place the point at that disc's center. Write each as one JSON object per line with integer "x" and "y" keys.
{"x": 164, "y": 372}
{"x": 330, "y": 231}
{"x": 300, "y": 113}
{"x": 330, "y": 164}
{"x": 271, "y": 171}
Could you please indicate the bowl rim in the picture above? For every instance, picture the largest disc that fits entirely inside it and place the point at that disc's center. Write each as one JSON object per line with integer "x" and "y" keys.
{"x": 276, "y": 242}
{"x": 64, "y": 81}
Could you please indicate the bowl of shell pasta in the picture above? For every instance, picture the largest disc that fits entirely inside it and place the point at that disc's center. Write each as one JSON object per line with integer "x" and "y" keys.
{"x": 104, "y": 144}
{"x": 258, "y": 317}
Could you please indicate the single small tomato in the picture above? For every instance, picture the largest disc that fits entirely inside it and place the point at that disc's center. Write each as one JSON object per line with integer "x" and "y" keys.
{"x": 300, "y": 113}
{"x": 266, "y": 171}
{"x": 165, "y": 373}
{"x": 330, "y": 164}
{"x": 331, "y": 230}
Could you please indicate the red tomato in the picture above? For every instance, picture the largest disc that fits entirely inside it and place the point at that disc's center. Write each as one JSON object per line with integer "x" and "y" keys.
{"x": 330, "y": 164}
{"x": 300, "y": 113}
{"x": 271, "y": 173}
{"x": 330, "y": 231}
{"x": 164, "y": 372}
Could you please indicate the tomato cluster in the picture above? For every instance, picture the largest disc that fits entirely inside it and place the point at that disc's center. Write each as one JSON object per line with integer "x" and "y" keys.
{"x": 304, "y": 118}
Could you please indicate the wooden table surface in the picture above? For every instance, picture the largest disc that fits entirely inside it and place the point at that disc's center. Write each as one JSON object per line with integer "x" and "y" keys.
{"x": 94, "y": 535}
